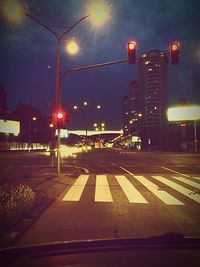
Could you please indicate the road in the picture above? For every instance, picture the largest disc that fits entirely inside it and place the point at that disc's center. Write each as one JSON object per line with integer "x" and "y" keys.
{"x": 119, "y": 195}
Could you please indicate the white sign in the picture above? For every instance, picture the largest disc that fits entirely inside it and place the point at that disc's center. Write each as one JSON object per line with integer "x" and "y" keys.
{"x": 10, "y": 127}
{"x": 186, "y": 113}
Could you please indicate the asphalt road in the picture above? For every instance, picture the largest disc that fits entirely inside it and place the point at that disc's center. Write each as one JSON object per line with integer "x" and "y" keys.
{"x": 118, "y": 195}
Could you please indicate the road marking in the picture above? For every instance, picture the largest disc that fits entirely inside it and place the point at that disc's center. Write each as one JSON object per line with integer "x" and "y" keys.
{"x": 185, "y": 180}
{"x": 161, "y": 194}
{"x": 130, "y": 191}
{"x": 126, "y": 170}
{"x": 76, "y": 190}
{"x": 164, "y": 196}
{"x": 175, "y": 171}
{"x": 181, "y": 189}
{"x": 102, "y": 189}
{"x": 122, "y": 168}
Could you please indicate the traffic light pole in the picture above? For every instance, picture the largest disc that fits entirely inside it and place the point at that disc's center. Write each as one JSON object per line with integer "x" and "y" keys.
{"x": 58, "y": 153}
{"x": 100, "y": 65}
{"x": 195, "y": 136}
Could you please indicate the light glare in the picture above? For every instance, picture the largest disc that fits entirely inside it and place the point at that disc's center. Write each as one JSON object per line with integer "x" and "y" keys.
{"x": 72, "y": 48}
{"x": 99, "y": 11}
{"x": 12, "y": 10}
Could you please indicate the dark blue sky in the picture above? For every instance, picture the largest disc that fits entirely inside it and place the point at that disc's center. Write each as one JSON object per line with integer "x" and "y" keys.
{"x": 27, "y": 51}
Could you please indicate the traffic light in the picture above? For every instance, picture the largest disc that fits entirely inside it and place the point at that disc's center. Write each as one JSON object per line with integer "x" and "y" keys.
{"x": 132, "y": 52}
{"x": 60, "y": 118}
{"x": 174, "y": 53}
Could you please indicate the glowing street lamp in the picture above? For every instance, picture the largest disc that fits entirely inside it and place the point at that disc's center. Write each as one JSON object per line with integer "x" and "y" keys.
{"x": 99, "y": 12}
{"x": 85, "y": 103}
{"x": 12, "y": 10}
{"x": 75, "y": 107}
{"x": 72, "y": 48}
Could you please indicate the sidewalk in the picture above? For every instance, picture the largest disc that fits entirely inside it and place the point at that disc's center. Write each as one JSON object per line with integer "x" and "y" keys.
{"x": 47, "y": 185}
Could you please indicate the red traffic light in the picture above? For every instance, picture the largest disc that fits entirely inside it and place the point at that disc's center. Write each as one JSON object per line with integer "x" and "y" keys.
{"x": 132, "y": 52}
{"x": 131, "y": 45}
{"x": 174, "y": 47}
{"x": 60, "y": 118}
{"x": 174, "y": 53}
{"x": 60, "y": 115}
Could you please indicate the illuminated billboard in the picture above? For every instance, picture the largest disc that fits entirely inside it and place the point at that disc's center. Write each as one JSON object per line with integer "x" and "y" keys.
{"x": 186, "y": 113}
{"x": 10, "y": 127}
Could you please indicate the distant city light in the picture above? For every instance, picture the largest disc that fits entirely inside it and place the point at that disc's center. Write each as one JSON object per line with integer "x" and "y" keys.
{"x": 85, "y": 103}
{"x": 187, "y": 113}
{"x": 75, "y": 107}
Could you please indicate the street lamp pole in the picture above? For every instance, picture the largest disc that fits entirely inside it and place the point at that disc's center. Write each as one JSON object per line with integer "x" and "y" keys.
{"x": 195, "y": 136}
{"x": 59, "y": 38}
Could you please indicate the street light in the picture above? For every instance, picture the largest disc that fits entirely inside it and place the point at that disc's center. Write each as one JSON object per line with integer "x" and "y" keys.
{"x": 99, "y": 11}
{"x": 72, "y": 48}
{"x": 85, "y": 103}
{"x": 13, "y": 10}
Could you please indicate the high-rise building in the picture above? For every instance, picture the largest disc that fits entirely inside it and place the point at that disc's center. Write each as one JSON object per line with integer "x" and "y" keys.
{"x": 153, "y": 84}
{"x": 153, "y": 96}
{"x": 134, "y": 105}
{"x": 131, "y": 112}
{"x": 126, "y": 115}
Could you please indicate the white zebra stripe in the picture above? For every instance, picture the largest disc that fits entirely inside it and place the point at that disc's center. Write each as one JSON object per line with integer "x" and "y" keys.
{"x": 102, "y": 189}
{"x": 161, "y": 194}
{"x": 130, "y": 191}
{"x": 181, "y": 189}
{"x": 76, "y": 190}
{"x": 186, "y": 181}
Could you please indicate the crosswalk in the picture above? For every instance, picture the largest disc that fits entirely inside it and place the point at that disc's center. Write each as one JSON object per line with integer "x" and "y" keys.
{"x": 170, "y": 190}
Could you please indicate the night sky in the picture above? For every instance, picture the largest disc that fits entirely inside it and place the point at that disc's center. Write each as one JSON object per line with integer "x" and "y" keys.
{"x": 27, "y": 54}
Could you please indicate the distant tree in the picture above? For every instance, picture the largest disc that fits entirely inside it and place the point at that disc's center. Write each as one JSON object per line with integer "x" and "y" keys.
{"x": 3, "y": 99}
